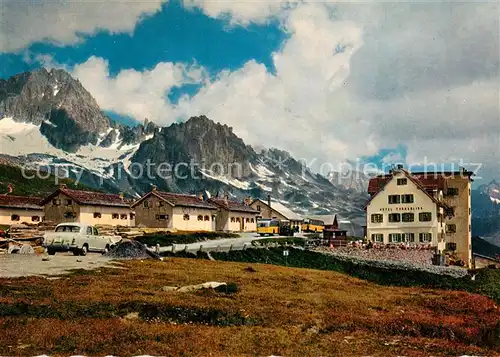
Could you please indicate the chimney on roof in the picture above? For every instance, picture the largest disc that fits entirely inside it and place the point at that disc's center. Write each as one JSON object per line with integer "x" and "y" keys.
{"x": 200, "y": 196}
{"x": 400, "y": 167}
{"x": 9, "y": 189}
{"x": 153, "y": 188}
{"x": 226, "y": 198}
{"x": 62, "y": 186}
{"x": 121, "y": 196}
{"x": 269, "y": 200}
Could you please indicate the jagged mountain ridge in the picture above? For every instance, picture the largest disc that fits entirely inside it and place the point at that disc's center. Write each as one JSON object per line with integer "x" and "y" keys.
{"x": 68, "y": 130}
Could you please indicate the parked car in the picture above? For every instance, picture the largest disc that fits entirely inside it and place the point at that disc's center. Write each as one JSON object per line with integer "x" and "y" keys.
{"x": 77, "y": 238}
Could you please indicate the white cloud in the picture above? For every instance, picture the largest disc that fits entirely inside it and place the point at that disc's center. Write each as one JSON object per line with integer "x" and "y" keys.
{"x": 23, "y": 22}
{"x": 244, "y": 12}
{"x": 137, "y": 94}
{"x": 346, "y": 83}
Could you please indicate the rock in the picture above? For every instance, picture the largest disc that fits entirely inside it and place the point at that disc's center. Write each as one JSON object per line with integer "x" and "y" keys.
{"x": 129, "y": 249}
{"x": 189, "y": 288}
{"x": 13, "y": 249}
{"x": 79, "y": 260}
{"x": 45, "y": 259}
{"x": 170, "y": 288}
{"x": 131, "y": 316}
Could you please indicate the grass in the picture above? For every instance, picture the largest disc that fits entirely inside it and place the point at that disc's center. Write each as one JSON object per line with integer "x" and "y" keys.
{"x": 34, "y": 186}
{"x": 273, "y": 311}
{"x": 168, "y": 239}
{"x": 487, "y": 281}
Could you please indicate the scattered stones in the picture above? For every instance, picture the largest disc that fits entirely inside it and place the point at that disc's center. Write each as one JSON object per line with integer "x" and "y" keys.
{"x": 189, "y": 288}
{"x": 131, "y": 316}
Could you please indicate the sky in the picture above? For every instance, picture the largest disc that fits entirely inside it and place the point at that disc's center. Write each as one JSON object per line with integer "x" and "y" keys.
{"x": 330, "y": 82}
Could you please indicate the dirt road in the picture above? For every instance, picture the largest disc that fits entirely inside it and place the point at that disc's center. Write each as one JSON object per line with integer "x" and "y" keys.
{"x": 18, "y": 265}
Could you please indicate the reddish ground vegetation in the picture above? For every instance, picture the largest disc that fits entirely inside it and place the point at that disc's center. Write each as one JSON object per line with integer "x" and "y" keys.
{"x": 277, "y": 310}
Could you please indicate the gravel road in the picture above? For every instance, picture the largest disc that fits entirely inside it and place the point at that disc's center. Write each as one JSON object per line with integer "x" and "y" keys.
{"x": 19, "y": 265}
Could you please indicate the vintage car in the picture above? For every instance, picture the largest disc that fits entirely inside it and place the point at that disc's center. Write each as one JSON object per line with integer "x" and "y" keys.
{"x": 77, "y": 238}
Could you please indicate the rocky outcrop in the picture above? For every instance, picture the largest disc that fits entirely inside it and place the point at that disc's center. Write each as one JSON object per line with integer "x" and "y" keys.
{"x": 69, "y": 116}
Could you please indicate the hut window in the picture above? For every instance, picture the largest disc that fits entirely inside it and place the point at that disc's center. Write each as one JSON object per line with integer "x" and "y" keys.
{"x": 145, "y": 204}
{"x": 200, "y": 218}
{"x": 35, "y": 218}
{"x": 207, "y": 218}
{"x": 123, "y": 216}
{"x": 213, "y": 217}
{"x": 161, "y": 217}
{"x": 97, "y": 215}
{"x": 186, "y": 217}
{"x": 161, "y": 204}
{"x": 233, "y": 219}
{"x": 237, "y": 219}
{"x": 452, "y": 191}
{"x": 258, "y": 208}
{"x": 69, "y": 202}
{"x": 15, "y": 217}
{"x": 132, "y": 216}
{"x": 70, "y": 215}
{"x": 115, "y": 216}
{"x": 56, "y": 202}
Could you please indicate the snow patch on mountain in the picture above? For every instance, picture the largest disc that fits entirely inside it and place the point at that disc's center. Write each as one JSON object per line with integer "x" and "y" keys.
{"x": 243, "y": 185}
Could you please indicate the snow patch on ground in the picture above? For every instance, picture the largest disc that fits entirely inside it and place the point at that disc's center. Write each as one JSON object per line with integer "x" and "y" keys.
{"x": 261, "y": 170}
{"x": 228, "y": 181}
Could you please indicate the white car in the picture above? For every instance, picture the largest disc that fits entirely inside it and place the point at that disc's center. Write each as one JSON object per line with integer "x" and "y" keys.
{"x": 77, "y": 238}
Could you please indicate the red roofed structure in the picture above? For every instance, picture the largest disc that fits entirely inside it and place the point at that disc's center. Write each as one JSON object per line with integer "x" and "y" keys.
{"x": 19, "y": 209}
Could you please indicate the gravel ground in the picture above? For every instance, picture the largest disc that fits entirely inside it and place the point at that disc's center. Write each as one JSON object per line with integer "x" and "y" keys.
{"x": 129, "y": 249}
{"x": 394, "y": 259}
{"x": 19, "y": 265}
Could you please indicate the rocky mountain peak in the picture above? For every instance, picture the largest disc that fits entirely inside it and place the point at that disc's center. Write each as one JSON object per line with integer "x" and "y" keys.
{"x": 67, "y": 113}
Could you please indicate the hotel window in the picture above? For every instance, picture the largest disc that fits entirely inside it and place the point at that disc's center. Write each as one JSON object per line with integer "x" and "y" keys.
{"x": 395, "y": 237}
{"x": 161, "y": 217}
{"x": 402, "y": 181}
{"x": 56, "y": 202}
{"x": 406, "y": 198}
{"x": 248, "y": 220}
{"x": 425, "y": 216}
{"x": 452, "y": 191}
{"x": 451, "y": 228}
{"x": 394, "y": 217}
{"x": 425, "y": 237}
{"x": 252, "y": 220}
{"x": 186, "y": 217}
{"x": 35, "y": 219}
{"x": 408, "y": 217}
{"x": 206, "y": 218}
{"x": 97, "y": 215}
{"x": 123, "y": 216}
{"x": 394, "y": 199}
{"x": 200, "y": 218}
{"x": 377, "y": 218}
{"x": 377, "y": 237}
{"x": 115, "y": 216}
{"x": 409, "y": 237}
